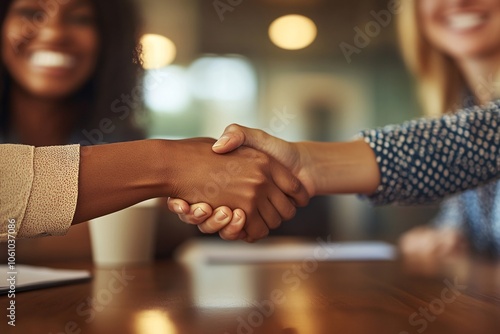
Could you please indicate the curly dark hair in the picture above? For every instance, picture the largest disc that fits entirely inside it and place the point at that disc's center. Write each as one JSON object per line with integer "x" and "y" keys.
{"x": 118, "y": 72}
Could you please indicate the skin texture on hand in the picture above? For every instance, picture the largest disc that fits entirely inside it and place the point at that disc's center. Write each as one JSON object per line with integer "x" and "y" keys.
{"x": 288, "y": 154}
{"x": 294, "y": 156}
{"x": 245, "y": 178}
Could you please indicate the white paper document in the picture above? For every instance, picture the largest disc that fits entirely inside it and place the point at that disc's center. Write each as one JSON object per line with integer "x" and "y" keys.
{"x": 225, "y": 252}
{"x": 24, "y": 277}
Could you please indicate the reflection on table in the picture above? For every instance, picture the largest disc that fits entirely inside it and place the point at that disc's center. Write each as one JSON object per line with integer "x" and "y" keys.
{"x": 288, "y": 297}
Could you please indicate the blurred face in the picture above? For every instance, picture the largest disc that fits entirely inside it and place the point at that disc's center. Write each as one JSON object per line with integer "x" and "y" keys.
{"x": 462, "y": 28}
{"x": 50, "y": 47}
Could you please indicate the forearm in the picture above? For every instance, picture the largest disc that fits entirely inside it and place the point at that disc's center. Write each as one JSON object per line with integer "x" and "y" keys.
{"x": 115, "y": 176}
{"x": 341, "y": 168}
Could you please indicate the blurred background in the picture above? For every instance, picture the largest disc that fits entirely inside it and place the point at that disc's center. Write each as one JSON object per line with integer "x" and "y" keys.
{"x": 238, "y": 61}
{"x": 299, "y": 69}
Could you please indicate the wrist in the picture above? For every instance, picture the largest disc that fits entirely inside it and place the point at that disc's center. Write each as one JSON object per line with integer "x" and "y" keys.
{"x": 307, "y": 168}
{"x": 163, "y": 166}
{"x": 341, "y": 168}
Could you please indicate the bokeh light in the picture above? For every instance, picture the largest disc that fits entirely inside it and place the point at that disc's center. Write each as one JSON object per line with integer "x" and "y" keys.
{"x": 293, "y": 32}
{"x": 157, "y": 51}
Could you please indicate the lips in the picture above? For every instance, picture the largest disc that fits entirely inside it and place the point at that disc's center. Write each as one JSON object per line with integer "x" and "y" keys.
{"x": 52, "y": 59}
{"x": 465, "y": 21}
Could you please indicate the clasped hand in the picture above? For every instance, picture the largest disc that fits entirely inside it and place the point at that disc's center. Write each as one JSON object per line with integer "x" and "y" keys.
{"x": 257, "y": 189}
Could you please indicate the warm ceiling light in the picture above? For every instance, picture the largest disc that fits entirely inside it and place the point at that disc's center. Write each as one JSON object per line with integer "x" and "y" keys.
{"x": 293, "y": 32}
{"x": 157, "y": 51}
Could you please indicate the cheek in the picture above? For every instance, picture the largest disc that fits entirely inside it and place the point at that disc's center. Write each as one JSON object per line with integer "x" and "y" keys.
{"x": 10, "y": 60}
{"x": 14, "y": 40}
{"x": 427, "y": 11}
{"x": 91, "y": 43}
{"x": 8, "y": 42}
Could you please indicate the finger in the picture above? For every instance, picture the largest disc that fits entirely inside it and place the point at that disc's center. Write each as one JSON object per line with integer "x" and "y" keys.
{"x": 236, "y": 135}
{"x": 232, "y": 231}
{"x": 178, "y": 206}
{"x": 221, "y": 218}
{"x": 271, "y": 216}
{"x": 255, "y": 228}
{"x": 232, "y": 138}
{"x": 198, "y": 214}
{"x": 289, "y": 184}
{"x": 282, "y": 204}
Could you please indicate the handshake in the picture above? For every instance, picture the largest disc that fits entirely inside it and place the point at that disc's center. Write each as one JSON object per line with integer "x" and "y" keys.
{"x": 258, "y": 183}
{"x": 248, "y": 182}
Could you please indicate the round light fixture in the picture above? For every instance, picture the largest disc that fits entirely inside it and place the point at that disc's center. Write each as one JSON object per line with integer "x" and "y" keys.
{"x": 293, "y": 32}
{"x": 157, "y": 51}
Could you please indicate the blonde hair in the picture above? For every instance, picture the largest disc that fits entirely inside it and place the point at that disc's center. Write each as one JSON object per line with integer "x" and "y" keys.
{"x": 439, "y": 81}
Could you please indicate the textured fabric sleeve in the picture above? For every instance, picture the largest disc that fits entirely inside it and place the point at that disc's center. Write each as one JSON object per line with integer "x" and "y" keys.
{"x": 427, "y": 159}
{"x": 16, "y": 178}
{"x": 50, "y": 176}
{"x": 54, "y": 193}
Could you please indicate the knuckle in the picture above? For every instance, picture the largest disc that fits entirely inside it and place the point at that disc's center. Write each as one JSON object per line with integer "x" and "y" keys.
{"x": 295, "y": 185}
{"x": 261, "y": 180}
{"x": 260, "y": 158}
{"x": 233, "y": 127}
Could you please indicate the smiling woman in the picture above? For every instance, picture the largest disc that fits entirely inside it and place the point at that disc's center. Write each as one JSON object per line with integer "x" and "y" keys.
{"x": 63, "y": 65}
{"x": 60, "y": 53}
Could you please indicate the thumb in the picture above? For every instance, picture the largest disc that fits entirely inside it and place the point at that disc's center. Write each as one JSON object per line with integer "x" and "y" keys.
{"x": 233, "y": 137}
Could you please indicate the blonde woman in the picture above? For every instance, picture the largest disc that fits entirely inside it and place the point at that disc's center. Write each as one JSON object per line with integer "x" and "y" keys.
{"x": 453, "y": 50}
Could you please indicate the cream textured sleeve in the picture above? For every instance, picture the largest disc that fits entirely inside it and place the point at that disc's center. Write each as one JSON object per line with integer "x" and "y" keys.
{"x": 38, "y": 190}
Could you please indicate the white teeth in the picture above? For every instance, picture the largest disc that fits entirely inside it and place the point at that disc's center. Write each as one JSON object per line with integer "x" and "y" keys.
{"x": 465, "y": 21}
{"x": 52, "y": 59}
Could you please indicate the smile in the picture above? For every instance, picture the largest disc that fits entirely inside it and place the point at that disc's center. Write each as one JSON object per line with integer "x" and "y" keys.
{"x": 465, "y": 21}
{"x": 52, "y": 59}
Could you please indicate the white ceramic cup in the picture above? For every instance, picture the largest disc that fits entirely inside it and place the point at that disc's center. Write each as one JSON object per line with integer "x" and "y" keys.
{"x": 126, "y": 237}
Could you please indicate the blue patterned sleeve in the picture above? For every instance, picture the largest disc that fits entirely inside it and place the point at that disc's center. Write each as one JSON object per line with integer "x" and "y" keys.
{"x": 424, "y": 160}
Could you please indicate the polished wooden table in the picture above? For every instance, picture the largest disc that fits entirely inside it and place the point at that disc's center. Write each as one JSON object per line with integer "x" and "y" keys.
{"x": 303, "y": 297}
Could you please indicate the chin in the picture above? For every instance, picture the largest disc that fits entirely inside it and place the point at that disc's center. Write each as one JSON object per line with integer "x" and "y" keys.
{"x": 51, "y": 89}
{"x": 473, "y": 53}
{"x": 52, "y": 93}
{"x": 469, "y": 49}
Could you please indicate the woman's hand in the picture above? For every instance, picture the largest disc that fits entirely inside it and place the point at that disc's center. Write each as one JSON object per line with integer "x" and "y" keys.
{"x": 294, "y": 156}
{"x": 288, "y": 154}
{"x": 228, "y": 223}
{"x": 246, "y": 178}
{"x": 425, "y": 249}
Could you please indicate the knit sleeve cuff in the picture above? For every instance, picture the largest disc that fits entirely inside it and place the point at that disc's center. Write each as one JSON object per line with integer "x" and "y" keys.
{"x": 54, "y": 192}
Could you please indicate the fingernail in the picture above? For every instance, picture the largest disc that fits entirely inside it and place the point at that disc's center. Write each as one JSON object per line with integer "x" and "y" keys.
{"x": 198, "y": 213}
{"x": 221, "y": 142}
{"x": 178, "y": 209}
{"x": 221, "y": 215}
{"x": 238, "y": 217}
